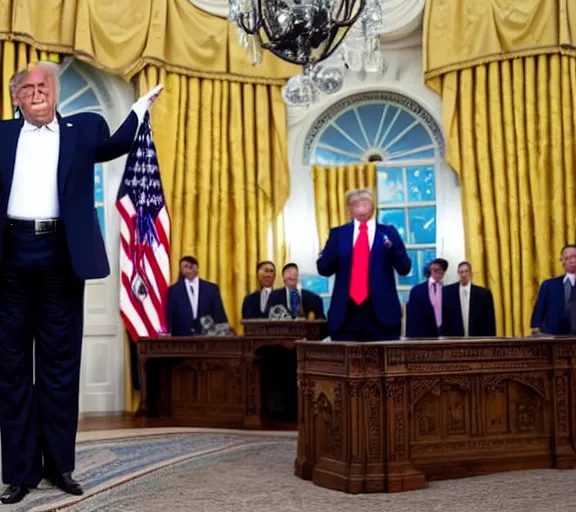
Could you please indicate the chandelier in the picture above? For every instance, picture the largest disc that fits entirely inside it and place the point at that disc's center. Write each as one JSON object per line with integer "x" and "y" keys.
{"x": 342, "y": 34}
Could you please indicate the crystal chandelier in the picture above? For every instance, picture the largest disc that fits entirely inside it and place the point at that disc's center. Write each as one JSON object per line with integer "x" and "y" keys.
{"x": 307, "y": 32}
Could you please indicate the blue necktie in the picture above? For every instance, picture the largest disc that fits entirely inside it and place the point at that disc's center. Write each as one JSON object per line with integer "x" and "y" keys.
{"x": 294, "y": 303}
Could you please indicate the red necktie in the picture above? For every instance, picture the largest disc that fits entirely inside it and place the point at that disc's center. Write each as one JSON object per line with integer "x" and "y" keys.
{"x": 360, "y": 265}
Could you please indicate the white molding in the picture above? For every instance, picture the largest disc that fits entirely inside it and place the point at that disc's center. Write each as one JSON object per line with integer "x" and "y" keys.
{"x": 401, "y": 18}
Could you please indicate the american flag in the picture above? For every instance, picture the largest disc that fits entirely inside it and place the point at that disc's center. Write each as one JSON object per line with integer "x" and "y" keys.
{"x": 144, "y": 240}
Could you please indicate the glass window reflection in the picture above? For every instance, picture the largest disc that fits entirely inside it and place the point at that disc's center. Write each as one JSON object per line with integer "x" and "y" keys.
{"x": 391, "y": 186}
{"x": 396, "y": 217}
{"x": 422, "y": 223}
{"x": 421, "y": 186}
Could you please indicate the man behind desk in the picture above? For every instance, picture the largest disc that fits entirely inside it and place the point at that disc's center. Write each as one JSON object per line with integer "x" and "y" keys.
{"x": 470, "y": 308}
{"x": 255, "y": 305}
{"x": 299, "y": 303}
{"x": 556, "y": 299}
{"x": 192, "y": 298}
{"x": 364, "y": 255}
{"x": 426, "y": 311}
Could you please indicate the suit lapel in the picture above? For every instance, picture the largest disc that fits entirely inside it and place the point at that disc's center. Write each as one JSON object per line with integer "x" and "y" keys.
{"x": 10, "y": 142}
{"x": 67, "y": 146}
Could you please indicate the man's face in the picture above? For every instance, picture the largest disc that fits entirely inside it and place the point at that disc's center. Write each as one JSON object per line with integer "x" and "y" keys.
{"x": 188, "y": 270}
{"x": 436, "y": 272}
{"x": 266, "y": 275}
{"x": 361, "y": 209}
{"x": 36, "y": 97}
{"x": 291, "y": 277}
{"x": 569, "y": 260}
{"x": 465, "y": 274}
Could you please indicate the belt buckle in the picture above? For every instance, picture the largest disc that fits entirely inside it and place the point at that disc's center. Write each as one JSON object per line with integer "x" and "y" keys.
{"x": 42, "y": 227}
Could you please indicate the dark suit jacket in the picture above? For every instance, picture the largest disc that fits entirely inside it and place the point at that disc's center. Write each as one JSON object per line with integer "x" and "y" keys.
{"x": 420, "y": 318}
{"x": 84, "y": 140}
{"x": 550, "y": 314}
{"x": 179, "y": 309}
{"x": 311, "y": 302}
{"x": 336, "y": 258}
{"x": 251, "y": 307}
{"x": 481, "y": 317}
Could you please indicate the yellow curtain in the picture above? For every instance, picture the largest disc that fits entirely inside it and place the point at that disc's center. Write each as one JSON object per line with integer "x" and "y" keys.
{"x": 223, "y": 159}
{"x": 330, "y": 187}
{"x": 123, "y": 37}
{"x": 467, "y": 33}
{"x": 511, "y": 128}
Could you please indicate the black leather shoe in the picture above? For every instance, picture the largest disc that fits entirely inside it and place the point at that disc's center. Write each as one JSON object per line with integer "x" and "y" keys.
{"x": 67, "y": 484}
{"x": 13, "y": 494}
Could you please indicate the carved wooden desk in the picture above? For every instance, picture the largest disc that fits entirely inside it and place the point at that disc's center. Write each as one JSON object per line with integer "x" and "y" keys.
{"x": 390, "y": 416}
{"x": 213, "y": 381}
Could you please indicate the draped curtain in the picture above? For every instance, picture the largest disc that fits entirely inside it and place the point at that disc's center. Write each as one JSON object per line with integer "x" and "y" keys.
{"x": 330, "y": 187}
{"x": 123, "y": 37}
{"x": 223, "y": 158}
{"x": 508, "y": 89}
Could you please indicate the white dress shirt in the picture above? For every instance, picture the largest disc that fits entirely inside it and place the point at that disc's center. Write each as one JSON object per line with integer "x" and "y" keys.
{"x": 264, "y": 296}
{"x": 465, "y": 306}
{"x": 193, "y": 291}
{"x": 371, "y": 224}
{"x": 571, "y": 277}
{"x": 34, "y": 192}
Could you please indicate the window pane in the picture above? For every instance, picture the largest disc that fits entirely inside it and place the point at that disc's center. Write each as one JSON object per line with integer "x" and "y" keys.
{"x": 396, "y": 217}
{"x": 403, "y": 296}
{"x": 416, "y": 137}
{"x": 425, "y": 256}
{"x": 421, "y": 186}
{"x": 422, "y": 222}
{"x": 327, "y": 157}
{"x": 390, "y": 186}
{"x": 316, "y": 284}
{"x": 333, "y": 137}
{"x": 425, "y": 154}
{"x": 348, "y": 122}
{"x": 326, "y": 301}
{"x": 414, "y": 277}
{"x": 99, "y": 196}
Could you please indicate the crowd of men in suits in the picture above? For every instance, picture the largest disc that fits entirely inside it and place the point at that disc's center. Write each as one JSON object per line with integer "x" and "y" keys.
{"x": 191, "y": 298}
{"x": 365, "y": 256}
{"x": 460, "y": 309}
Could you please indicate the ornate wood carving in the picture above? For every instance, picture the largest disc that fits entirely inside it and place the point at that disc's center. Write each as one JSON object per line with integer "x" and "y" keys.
{"x": 445, "y": 409}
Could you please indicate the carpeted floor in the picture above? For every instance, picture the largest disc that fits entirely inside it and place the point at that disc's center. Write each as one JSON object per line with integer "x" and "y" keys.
{"x": 226, "y": 471}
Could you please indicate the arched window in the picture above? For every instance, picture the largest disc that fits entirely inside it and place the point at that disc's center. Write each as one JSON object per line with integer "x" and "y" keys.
{"x": 407, "y": 146}
{"x": 78, "y": 94}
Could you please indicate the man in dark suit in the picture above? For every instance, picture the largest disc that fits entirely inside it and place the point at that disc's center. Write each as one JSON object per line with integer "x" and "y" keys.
{"x": 255, "y": 305}
{"x": 426, "y": 308}
{"x": 51, "y": 243}
{"x": 556, "y": 303}
{"x": 192, "y": 298}
{"x": 363, "y": 255}
{"x": 469, "y": 308}
{"x": 299, "y": 303}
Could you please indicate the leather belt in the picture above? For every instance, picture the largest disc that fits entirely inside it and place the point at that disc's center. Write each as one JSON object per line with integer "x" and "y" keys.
{"x": 36, "y": 227}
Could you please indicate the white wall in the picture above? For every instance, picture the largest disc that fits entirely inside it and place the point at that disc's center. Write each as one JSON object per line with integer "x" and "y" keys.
{"x": 403, "y": 75}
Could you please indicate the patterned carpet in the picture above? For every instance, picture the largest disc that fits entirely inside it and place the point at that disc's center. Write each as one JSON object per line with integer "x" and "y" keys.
{"x": 221, "y": 471}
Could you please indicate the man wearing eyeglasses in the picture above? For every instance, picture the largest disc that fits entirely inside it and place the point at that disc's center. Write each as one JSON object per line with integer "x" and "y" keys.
{"x": 50, "y": 245}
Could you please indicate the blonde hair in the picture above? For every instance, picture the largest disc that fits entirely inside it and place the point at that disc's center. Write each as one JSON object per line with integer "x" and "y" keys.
{"x": 360, "y": 193}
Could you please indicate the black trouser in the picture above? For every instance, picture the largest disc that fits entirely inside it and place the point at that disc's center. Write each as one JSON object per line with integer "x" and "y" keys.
{"x": 362, "y": 324}
{"x": 41, "y": 317}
